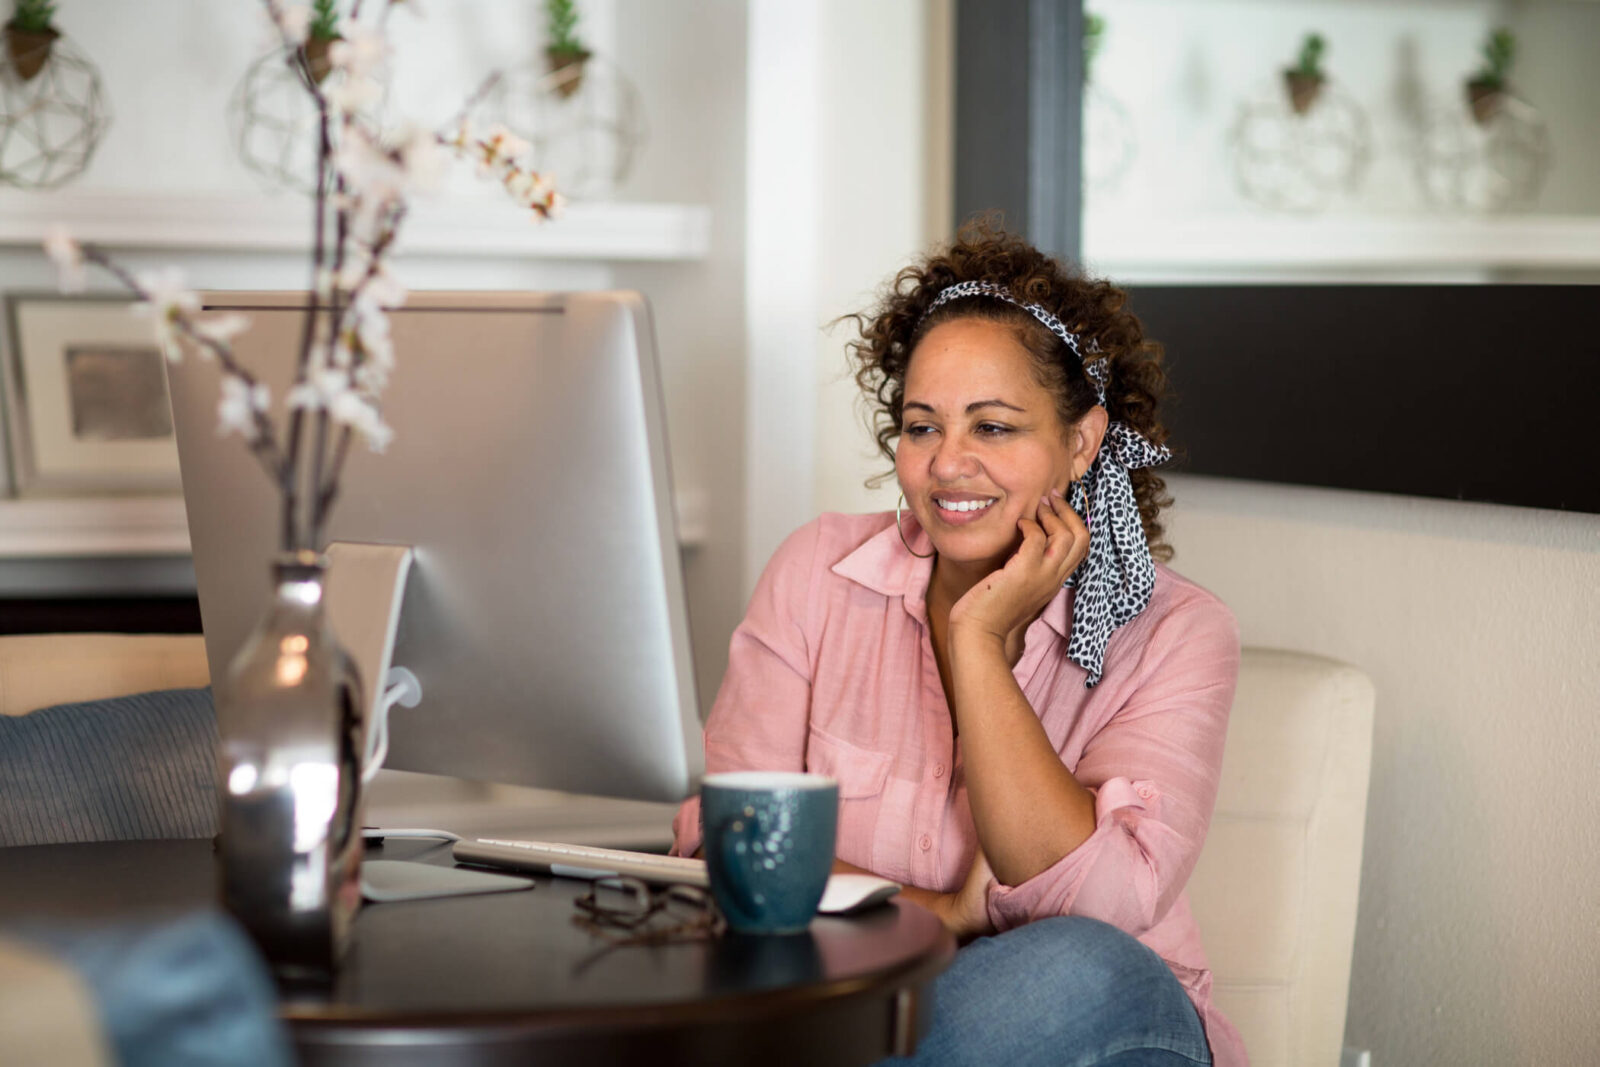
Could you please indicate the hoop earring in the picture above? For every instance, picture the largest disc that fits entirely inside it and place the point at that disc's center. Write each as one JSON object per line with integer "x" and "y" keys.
{"x": 898, "y": 504}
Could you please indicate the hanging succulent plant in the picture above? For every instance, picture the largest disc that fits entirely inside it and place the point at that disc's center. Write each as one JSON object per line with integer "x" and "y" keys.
{"x": 322, "y": 32}
{"x": 563, "y": 48}
{"x": 30, "y": 35}
{"x": 1487, "y": 89}
{"x": 1304, "y": 80}
{"x": 1094, "y": 38}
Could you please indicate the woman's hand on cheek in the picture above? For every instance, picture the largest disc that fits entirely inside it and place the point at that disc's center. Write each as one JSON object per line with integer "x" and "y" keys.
{"x": 1001, "y": 606}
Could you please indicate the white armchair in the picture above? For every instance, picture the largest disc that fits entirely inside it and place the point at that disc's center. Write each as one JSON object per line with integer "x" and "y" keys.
{"x": 1276, "y": 886}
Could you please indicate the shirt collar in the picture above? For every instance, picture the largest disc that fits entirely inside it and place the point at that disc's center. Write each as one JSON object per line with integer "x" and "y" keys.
{"x": 884, "y": 565}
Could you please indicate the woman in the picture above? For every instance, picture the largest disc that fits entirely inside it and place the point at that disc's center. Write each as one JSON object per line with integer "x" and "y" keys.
{"x": 1024, "y": 712}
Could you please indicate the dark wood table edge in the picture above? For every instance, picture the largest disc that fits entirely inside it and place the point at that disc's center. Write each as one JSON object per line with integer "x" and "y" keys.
{"x": 325, "y": 1022}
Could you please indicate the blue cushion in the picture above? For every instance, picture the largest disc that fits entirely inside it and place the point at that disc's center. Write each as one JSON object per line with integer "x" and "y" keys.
{"x": 141, "y": 766}
{"x": 187, "y": 990}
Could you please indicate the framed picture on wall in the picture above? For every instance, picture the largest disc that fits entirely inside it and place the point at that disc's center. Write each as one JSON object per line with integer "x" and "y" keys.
{"x": 86, "y": 398}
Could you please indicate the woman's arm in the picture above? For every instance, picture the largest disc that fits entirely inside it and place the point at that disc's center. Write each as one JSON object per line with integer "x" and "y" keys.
{"x": 1028, "y": 808}
{"x": 1116, "y": 837}
{"x": 1152, "y": 772}
{"x": 964, "y": 913}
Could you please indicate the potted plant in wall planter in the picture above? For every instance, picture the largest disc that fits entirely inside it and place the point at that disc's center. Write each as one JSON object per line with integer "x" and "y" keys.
{"x": 1487, "y": 89}
{"x": 30, "y": 35}
{"x": 565, "y": 52}
{"x": 321, "y": 34}
{"x": 1305, "y": 79}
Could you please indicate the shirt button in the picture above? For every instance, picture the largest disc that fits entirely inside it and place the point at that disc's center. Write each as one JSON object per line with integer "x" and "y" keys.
{"x": 938, "y": 770}
{"x": 1145, "y": 792}
{"x": 924, "y": 842}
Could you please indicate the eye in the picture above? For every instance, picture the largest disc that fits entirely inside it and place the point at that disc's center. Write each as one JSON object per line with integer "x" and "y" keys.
{"x": 993, "y": 429}
{"x": 918, "y": 429}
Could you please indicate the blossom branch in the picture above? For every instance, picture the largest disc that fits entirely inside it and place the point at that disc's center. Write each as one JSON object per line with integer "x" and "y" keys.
{"x": 263, "y": 442}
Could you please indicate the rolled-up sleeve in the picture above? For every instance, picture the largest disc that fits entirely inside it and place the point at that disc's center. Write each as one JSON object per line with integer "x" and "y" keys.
{"x": 1153, "y": 769}
{"x": 759, "y": 719}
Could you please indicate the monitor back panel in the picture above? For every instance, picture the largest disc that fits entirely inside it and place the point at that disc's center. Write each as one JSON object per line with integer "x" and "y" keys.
{"x": 545, "y": 614}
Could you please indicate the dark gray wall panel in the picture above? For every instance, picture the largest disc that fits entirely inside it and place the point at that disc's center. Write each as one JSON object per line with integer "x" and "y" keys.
{"x": 1466, "y": 392}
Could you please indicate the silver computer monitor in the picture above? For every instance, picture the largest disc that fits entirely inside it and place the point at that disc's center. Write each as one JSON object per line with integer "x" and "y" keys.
{"x": 544, "y": 613}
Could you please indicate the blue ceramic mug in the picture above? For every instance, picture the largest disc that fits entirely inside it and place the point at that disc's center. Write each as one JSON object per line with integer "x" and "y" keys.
{"x": 769, "y": 846}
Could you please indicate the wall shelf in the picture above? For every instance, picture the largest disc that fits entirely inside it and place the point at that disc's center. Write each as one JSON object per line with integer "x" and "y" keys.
{"x": 446, "y": 225}
{"x": 93, "y": 526}
{"x": 1221, "y": 244}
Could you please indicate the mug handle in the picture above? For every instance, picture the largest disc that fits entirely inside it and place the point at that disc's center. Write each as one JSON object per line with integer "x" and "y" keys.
{"x": 734, "y": 830}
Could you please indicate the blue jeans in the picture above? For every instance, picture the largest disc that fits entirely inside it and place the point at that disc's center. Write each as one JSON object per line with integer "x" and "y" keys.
{"x": 1069, "y": 992}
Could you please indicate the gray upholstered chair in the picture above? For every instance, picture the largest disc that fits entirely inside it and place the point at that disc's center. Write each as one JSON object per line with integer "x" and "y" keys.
{"x": 105, "y": 737}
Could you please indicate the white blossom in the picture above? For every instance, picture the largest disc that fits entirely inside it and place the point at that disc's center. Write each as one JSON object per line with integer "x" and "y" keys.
{"x": 293, "y": 21}
{"x": 372, "y": 377}
{"x": 240, "y": 403}
{"x": 503, "y": 146}
{"x": 362, "y": 52}
{"x": 383, "y": 290}
{"x": 360, "y": 415}
{"x": 166, "y": 301}
{"x": 353, "y": 94}
{"x": 423, "y": 160}
{"x": 320, "y": 389}
{"x": 67, "y": 255}
{"x": 371, "y": 334}
{"x": 221, "y": 329}
{"x": 370, "y": 174}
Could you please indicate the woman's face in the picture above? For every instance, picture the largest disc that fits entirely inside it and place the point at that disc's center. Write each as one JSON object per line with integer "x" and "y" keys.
{"x": 981, "y": 441}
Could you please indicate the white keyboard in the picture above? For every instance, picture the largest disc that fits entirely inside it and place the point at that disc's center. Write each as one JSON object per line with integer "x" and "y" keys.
{"x": 582, "y": 861}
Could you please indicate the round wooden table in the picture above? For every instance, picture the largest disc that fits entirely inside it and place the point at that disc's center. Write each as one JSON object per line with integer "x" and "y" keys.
{"x": 508, "y": 978}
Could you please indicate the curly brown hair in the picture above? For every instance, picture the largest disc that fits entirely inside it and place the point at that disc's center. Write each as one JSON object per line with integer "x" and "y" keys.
{"x": 1095, "y": 310}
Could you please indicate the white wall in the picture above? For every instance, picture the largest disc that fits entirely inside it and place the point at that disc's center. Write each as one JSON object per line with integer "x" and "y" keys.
{"x": 170, "y": 67}
{"x": 884, "y": 109}
{"x": 689, "y": 60}
{"x": 1475, "y": 940}
{"x": 850, "y": 180}
{"x": 1181, "y": 68}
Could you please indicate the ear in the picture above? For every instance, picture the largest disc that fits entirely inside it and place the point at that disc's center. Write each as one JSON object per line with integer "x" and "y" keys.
{"x": 1084, "y": 439}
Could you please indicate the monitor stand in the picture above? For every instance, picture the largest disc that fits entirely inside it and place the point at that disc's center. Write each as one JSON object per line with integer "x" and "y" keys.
{"x": 366, "y": 586}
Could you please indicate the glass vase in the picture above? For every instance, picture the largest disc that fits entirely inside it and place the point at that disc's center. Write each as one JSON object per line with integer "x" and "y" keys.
{"x": 290, "y": 750}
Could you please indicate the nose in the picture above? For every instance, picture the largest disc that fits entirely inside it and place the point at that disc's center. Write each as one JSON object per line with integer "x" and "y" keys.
{"x": 953, "y": 460}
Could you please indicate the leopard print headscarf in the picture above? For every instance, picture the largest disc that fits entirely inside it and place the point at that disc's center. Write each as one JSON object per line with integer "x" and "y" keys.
{"x": 1116, "y": 578}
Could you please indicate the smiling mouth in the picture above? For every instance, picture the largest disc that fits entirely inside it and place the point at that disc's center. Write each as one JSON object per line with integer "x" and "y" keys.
{"x": 962, "y": 505}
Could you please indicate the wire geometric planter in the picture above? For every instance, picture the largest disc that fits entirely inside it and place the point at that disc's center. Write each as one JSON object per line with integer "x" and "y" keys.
{"x": 584, "y": 137}
{"x": 272, "y": 119}
{"x": 1485, "y": 162}
{"x": 51, "y": 123}
{"x": 1297, "y": 155}
{"x": 1109, "y": 141}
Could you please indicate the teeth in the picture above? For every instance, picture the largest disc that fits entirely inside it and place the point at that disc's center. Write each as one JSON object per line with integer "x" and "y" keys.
{"x": 963, "y": 505}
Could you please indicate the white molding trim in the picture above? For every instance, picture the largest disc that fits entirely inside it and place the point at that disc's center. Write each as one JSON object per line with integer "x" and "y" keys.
{"x": 102, "y": 526}
{"x": 1206, "y": 244}
{"x": 93, "y": 526}
{"x": 466, "y": 225}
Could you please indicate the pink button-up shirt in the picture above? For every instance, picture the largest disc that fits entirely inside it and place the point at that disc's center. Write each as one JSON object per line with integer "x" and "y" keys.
{"x": 832, "y": 671}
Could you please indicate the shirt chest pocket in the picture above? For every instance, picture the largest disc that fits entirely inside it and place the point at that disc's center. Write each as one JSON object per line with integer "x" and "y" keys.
{"x": 860, "y": 772}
